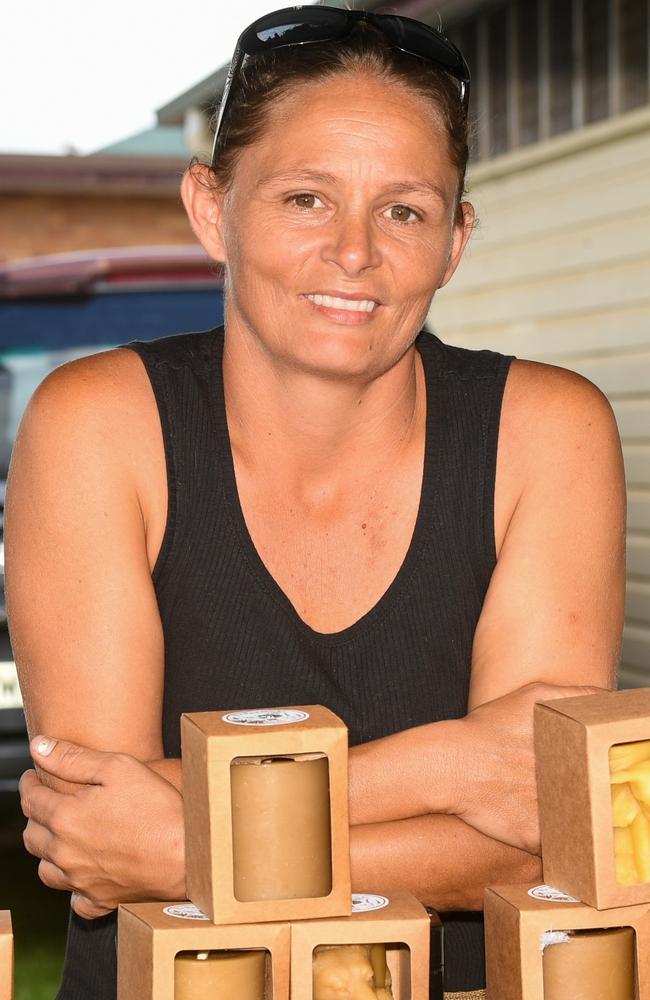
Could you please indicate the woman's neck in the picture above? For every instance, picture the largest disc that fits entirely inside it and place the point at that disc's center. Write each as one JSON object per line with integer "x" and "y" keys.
{"x": 306, "y": 429}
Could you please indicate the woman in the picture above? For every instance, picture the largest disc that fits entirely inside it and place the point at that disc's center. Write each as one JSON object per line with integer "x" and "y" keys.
{"x": 320, "y": 506}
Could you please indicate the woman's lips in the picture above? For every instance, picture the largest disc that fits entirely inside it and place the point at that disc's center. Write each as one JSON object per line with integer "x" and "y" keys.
{"x": 337, "y": 302}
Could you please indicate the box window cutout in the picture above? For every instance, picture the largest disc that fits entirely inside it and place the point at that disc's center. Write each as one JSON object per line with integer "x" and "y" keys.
{"x": 281, "y": 827}
{"x": 223, "y": 975}
{"x": 599, "y": 964}
{"x": 629, "y": 769}
{"x": 367, "y": 971}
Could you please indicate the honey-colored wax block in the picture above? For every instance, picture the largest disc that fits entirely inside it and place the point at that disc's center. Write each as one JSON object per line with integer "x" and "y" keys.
{"x": 265, "y": 795}
{"x": 626, "y": 870}
{"x": 518, "y": 920}
{"x": 626, "y": 755}
{"x": 338, "y": 957}
{"x": 580, "y": 810}
{"x": 220, "y": 975}
{"x": 624, "y": 806}
{"x": 590, "y": 965}
{"x": 347, "y": 972}
{"x": 158, "y": 945}
{"x": 6, "y": 956}
{"x": 281, "y": 831}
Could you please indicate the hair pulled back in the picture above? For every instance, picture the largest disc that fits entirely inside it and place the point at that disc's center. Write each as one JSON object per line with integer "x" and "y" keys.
{"x": 268, "y": 77}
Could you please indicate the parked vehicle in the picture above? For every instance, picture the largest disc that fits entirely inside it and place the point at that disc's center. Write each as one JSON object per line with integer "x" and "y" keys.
{"x": 64, "y": 306}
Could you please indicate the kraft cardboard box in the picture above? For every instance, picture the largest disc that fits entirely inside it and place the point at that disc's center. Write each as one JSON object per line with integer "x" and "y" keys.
{"x": 151, "y": 935}
{"x": 573, "y": 737}
{"x": 236, "y": 838}
{"x": 6, "y": 956}
{"x": 517, "y": 916}
{"x": 395, "y": 919}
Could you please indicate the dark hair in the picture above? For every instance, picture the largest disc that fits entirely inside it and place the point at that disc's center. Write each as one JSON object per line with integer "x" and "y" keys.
{"x": 268, "y": 77}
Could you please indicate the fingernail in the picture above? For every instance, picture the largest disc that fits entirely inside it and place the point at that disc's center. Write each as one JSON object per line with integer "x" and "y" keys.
{"x": 44, "y": 745}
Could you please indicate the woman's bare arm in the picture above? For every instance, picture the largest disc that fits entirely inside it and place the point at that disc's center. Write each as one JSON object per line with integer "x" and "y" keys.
{"x": 85, "y": 628}
{"x": 444, "y": 862}
{"x": 553, "y": 614}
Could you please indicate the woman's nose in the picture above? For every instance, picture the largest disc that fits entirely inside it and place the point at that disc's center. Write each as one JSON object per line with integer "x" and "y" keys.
{"x": 352, "y": 243}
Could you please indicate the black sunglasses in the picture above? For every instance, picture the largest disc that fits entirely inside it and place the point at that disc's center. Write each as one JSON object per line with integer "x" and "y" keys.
{"x": 308, "y": 25}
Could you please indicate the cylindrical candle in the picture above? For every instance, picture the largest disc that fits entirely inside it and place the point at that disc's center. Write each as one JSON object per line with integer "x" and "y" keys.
{"x": 281, "y": 836}
{"x": 591, "y": 965}
{"x": 219, "y": 975}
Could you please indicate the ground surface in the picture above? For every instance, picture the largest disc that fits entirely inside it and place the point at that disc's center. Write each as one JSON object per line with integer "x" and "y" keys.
{"x": 39, "y": 914}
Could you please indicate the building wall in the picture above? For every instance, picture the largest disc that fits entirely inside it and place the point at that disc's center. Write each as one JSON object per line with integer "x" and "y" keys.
{"x": 40, "y": 224}
{"x": 559, "y": 271}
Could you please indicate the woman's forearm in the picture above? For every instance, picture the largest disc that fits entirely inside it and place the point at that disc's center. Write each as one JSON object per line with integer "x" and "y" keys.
{"x": 441, "y": 860}
{"x": 414, "y": 772}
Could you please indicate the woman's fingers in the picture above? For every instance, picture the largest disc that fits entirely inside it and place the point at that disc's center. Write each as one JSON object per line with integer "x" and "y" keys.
{"x": 37, "y": 801}
{"x": 69, "y": 761}
{"x": 38, "y": 840}
{"x": 85, "y": 907}
{"x": 52, "y": 876}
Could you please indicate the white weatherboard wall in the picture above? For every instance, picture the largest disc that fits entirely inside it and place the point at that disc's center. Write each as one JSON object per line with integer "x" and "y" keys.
{"x": 559, "y": 271}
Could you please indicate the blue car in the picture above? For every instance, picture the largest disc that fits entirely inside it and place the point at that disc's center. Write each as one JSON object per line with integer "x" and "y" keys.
{"x": 64, "y": 306}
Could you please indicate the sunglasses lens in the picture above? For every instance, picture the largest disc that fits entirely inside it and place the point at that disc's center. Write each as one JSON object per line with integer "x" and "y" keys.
{"x": 427, "y": 43}
{"x": 321, "y": 24}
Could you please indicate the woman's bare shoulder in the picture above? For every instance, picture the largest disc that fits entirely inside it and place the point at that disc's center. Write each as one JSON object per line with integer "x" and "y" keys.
{"x": 99, "y": 400}
{"x": 96, "y": 382}
{"x": 549, "y": 408}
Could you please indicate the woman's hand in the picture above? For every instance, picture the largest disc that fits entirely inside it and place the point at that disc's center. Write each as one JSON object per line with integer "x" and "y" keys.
{"x": 498, "y": 794}
{"x": 118, "y": 838}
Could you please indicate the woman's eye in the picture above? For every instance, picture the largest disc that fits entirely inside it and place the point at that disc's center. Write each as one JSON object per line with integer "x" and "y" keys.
{"x": 402, "y": 213}
{"x": 305, "y": 200}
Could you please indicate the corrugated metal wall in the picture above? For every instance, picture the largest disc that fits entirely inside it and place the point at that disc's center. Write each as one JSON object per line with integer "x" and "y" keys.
{"x": 559, "y": 271}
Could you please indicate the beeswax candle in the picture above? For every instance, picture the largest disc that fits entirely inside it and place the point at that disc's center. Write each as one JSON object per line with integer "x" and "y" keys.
{"x": 351, "y": 972}
{"x": 219, "y": 975}
{"x": 590, "y": 965}
{"x": 281, "y": 827}
{"x": 629, "y": 765}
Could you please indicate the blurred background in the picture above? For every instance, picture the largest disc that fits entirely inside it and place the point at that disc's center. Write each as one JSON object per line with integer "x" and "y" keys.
{"x": 102, "y": 110}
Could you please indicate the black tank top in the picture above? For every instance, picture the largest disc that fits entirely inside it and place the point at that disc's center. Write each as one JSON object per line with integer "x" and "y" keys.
{"x": 234, "y": 640}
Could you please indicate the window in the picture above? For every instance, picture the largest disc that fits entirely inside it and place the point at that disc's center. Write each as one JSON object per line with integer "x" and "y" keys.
{"x": 544, "y": 67}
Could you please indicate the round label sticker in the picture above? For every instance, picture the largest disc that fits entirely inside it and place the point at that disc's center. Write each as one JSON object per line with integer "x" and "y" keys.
{"x": 265, "y": 717}
{"x": 362, "y": 902}
{"x": 551, "y": 895}
{"x": 188, "y": 911}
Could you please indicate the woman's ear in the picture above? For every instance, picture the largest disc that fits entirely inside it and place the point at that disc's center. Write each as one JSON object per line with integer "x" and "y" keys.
{"x": 463, "y": 228}
{"x": 204, "y": 208}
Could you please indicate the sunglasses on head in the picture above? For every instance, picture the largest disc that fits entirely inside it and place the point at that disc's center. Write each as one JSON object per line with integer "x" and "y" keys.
{"x": 309, "y": 25}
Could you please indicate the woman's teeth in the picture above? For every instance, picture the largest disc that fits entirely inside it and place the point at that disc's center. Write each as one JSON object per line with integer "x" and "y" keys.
{"x": 355, "y": 305}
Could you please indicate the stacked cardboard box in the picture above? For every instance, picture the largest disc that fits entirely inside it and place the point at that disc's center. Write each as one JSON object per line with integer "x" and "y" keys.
{"x": 6, "y": 956}
{"x": 246, "y": 898}
{"x": 588, "y": 808}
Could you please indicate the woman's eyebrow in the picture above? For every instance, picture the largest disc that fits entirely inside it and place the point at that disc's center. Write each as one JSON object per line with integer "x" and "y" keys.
{"x": 298, "y": 174}
{"x": 421, "y": 185}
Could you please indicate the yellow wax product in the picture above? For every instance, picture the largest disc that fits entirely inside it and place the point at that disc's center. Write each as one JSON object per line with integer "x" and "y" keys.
{"x": 625, "y": 755}
{"x": 638, "y": 778}
{"x": 347, "y": 972}
{"x": 591, "y": 965}
{"x": 626, "y": 872}
{"x": 624, "y": 806}
{"x": 281, "y": 827}
{"x": 641, "y": 841}
{"x": 219, "y": 975}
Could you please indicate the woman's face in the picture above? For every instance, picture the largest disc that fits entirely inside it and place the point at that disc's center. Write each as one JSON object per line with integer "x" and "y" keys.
{"x": 340, "y": 225}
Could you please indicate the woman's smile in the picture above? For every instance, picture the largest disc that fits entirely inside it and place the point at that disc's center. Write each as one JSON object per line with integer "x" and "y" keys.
{"x": 343, "y": 309}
